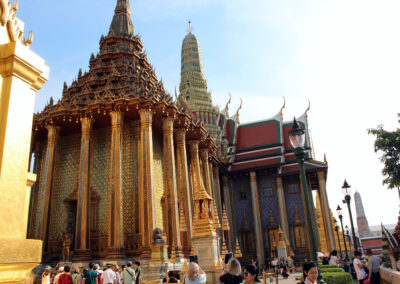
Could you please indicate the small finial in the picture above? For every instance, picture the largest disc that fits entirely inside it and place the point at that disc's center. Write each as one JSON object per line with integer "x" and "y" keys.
{"x": 190, "y": 27}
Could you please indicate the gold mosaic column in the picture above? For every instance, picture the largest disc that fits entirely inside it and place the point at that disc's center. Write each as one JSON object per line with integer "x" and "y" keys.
{"x": 195, "y": 164}
{"x": 52, "y": 138}
{"x": 206, "y": 170}
{"x": 282, "y": 210}
{"x": 217, "y": 192}
{"x": 170, "y": 184}
{"x": 146, "y": 178}
{"x": 325, "y": 211}
{"x": 257, "y": 219}
{"x": 183, "y": 181}
{"x": 32, "y": 227}
{"x": 115, "y": 216}
{"x": 136, "y": 212}
{"x": 82, "y": 219}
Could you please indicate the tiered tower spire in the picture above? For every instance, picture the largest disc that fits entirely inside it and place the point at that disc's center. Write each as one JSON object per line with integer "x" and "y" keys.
{"x": 193, "y": 90}
{"x": 362, "y": 222}
{"x": 121, "y": 24}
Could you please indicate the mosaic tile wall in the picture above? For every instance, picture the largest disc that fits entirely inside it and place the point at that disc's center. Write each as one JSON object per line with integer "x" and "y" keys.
{"x": 100, "y": 144}
{"x": 129, "y": 178}
{"x": 292, "y": 200}
{"x": 158, "y": 178}
{"x": 242, "y": 206}
{"x": 38, "y": 192}
{"x": 267, "y": 203}
{"x": 65, "y": 181}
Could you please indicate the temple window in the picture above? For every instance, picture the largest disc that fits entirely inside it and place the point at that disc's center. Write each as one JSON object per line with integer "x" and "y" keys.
{"x": 243, "y": 195}
{"x": 268, "y": 192}
{"x": 293, "y": 188}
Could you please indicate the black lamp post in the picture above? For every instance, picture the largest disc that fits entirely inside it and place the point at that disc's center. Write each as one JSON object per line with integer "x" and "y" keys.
{"x": 297, "y": 139}
{"x": 339, "y": 211}
{"x": 347, "y": 191}
{"x": 348, "y": 236}
{"x": 337, "y": 233}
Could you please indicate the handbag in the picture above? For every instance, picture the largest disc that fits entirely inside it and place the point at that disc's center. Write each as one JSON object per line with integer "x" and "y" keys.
{"x": 366, "y": 281}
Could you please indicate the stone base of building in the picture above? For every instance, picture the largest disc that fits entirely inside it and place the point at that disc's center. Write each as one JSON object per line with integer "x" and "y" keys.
{"x": 18, "y": 257}
{"x": 206, "y": 249}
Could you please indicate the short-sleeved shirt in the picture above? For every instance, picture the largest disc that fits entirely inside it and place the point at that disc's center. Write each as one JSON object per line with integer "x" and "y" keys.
{"x": 139, "y": 272}
{"x": 108, "y": 276}
{"x": 374, "y": 262}
{"x": 90, "y": 276}
{"x": 231, "y": 279}
{"x": 65, "y": 278}
{"x": 361, "y": 274}
{"x": 129, "y": 276}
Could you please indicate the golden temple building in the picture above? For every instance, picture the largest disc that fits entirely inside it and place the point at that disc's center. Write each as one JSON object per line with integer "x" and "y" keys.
{"x": 116, "y": 157}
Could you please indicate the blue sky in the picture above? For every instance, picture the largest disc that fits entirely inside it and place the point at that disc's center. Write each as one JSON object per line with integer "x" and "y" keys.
{"x": 342, "y": 55}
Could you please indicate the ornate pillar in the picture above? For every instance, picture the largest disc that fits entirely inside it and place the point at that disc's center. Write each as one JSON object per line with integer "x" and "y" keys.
{"x": 228, "y": 206}
{"x": 138, "y": 202}
{"x": 195, "y": 164}
{"x": 115, "y": 218}
{"x": 52, "y": 138}
{"x": 183, "y": 181}
{"x": 325, "y": 211}
{"x": 206, "y": 170}
{"x": 32, "y": 228}
{"x": 170, "y": 186}
{"x": 217, "y": 192}
{"x": 282, "y": 210}
{"x": 146, "y": 188}
{"x": 257, "y": 219}
{"x": 82, "y": 229}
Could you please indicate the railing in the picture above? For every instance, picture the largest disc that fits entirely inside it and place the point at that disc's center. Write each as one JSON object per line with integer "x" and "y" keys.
{"x": 389, "y": 276}
{"x": 269, "y": 275}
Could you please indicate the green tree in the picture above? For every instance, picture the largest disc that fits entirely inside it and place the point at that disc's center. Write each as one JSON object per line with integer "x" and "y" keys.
{"x": 388, "y": 143}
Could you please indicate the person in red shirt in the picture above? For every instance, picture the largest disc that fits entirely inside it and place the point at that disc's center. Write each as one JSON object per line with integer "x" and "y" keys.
{"x": 65, "y": 277}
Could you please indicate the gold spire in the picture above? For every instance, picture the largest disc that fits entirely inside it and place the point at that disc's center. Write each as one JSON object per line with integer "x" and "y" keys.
{"x": 182, "y": 221}
{"x": 190, "y": 26}
{"x": 121, "y": 24}
{"x": 223, "y": 248}
{"x": 225, "y": 224}
{"x": 238, "y": 252}
{"x": 216, "y": 222}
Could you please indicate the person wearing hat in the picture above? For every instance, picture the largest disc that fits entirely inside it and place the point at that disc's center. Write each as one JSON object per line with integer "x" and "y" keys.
{"x": 46, "y": 275}
{"x": 59, "y": 272}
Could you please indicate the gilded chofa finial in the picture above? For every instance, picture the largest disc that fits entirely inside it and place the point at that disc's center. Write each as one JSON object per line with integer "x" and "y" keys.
{"x": 28, "y": 42}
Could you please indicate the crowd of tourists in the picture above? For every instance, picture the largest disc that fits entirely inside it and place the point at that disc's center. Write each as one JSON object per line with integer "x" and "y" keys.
{"x": 93, "y": 274}
{"x": 365, "y": 269}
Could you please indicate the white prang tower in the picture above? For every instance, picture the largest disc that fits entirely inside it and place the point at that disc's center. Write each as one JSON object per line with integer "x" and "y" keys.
{"x": 362, "y": 222}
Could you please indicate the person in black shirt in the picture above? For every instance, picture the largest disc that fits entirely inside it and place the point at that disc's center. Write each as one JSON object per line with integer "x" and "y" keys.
{"x": 232, "y": 273}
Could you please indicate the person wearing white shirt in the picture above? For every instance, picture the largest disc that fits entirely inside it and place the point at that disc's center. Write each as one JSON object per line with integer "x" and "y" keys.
{"x": 359, "y": 267}
{"x": 109, "y": 276}
{"x": 334, "y": 259}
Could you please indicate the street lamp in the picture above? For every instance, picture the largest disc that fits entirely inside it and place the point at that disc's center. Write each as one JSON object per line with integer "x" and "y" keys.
{"x": 349, "y": 238}
{"x": 297, "y": 139}
{"x": 347, "y": 191}
{"x": 337, "y": 233}
{"x": 339, "y": 211}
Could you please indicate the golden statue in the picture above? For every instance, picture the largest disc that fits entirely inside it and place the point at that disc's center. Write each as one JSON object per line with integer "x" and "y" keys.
{"x": 66, "y": 244}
